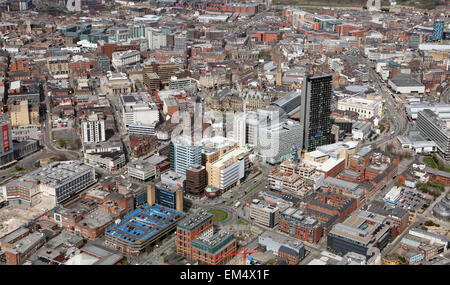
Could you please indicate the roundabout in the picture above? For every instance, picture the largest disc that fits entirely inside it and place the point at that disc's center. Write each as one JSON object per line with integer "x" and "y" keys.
{"x": 219, "y": 215}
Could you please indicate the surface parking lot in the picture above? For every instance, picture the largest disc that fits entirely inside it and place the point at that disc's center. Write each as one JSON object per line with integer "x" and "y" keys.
{"x": 414, "y": 200}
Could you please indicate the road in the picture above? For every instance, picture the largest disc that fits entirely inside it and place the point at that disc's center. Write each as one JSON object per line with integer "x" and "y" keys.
{"x": 47, "y": 129}
{"x": 47, "y": 147}
{"x": 155, "y": 256}
{"x": 394, "y": 112}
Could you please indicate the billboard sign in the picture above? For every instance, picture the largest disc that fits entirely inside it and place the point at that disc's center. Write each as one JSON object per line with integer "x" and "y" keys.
{"x": 5, "y": 137}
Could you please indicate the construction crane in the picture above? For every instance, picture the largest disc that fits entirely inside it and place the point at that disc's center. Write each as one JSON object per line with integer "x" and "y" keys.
{"x": 295, "y": 150}
{"x": 244, "y": 254}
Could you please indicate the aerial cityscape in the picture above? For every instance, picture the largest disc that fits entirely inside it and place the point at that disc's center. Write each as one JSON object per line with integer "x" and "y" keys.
{"x": 225, "y": 132}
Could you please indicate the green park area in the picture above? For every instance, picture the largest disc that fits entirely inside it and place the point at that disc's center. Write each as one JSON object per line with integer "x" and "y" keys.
{"x": 433, "y": 162}
{"x": 219, "y": 215}
{"x": 240, "y": 222}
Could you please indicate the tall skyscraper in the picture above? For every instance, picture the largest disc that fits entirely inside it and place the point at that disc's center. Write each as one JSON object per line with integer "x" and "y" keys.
{"x": 438, "y": 30}
{"x": 315, "y": 110}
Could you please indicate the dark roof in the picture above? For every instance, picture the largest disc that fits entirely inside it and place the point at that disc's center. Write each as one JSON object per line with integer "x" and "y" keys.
{"x": 288, "y": 250}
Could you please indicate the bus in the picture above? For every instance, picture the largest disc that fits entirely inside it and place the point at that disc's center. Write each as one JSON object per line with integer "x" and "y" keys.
{"x": 237, "y": 204}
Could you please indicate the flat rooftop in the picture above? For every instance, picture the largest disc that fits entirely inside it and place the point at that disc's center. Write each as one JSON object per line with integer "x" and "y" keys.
{"x": 193, "y": 221}
{"x": 58, "y": 173}
{"x": 144, "y": 223}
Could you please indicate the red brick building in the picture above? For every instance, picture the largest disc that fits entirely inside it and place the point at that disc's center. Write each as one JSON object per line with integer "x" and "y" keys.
{"x": 190, "y": 228}
{"x": 296, "y": 224}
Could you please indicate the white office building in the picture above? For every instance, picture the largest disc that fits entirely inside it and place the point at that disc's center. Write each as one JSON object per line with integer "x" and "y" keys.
{"x": 156, "y": 39}
{"x": 137, "y": 111}
{"x": 186, "y": 153}
{"x": 141, "y": 170}
{"x": 57, "y": 182}
{"x": 405, "y": 84}
{"x": 365, "y": 108}
{"x": 181, "y": 83}
{"x": 124, "y": 58}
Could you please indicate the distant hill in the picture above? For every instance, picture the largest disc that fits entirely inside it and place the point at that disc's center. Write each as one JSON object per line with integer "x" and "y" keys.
{"x": 423, "y": 4}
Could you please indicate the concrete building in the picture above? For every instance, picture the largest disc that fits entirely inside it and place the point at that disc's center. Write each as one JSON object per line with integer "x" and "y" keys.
{"x": 289, "y": 249}
{"x": 138, "y": 112}
{"x": 58, "y": 182}
{"x": 228, "y": 170}
{"x": 433, "y": 128}
{"x": 142, "y": 227}
{"x": 365, "y": 108}
{"x": 142, "y": 170}
{"x": 181, "y": 83}
{"x": 315, "y": 111}
{"x": 361, "y": 130}
{"x": 405, "y": 84}
{"x": 125, "y": 58}
{"x": 110, "y": 161}
{"x": 264, "y": 214}
{"x": 442, "y": 209}
{"x": 359, "y": 233}
{"x": 93, "y": 128}
{"x": 441, "y": 109}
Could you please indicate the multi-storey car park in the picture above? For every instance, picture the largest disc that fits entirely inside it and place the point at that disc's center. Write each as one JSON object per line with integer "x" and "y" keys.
{"x": 142, "y": 227}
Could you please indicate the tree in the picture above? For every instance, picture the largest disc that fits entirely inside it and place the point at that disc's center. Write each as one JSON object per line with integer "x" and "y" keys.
{"x": 148, "y": 247}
